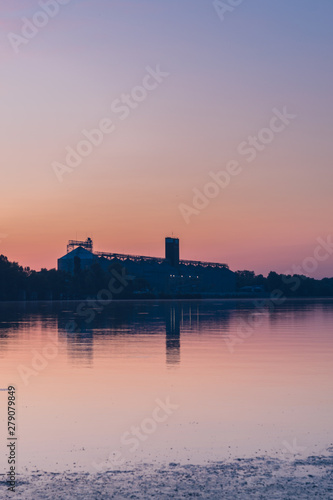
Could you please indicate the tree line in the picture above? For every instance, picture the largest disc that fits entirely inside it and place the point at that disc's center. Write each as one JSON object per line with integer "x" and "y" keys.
{"x": 289, "y": 285}
{"x": 18, "y": 283}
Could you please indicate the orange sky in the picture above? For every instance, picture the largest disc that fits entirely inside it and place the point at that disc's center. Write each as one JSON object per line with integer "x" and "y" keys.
{"x": 224, "y": 81}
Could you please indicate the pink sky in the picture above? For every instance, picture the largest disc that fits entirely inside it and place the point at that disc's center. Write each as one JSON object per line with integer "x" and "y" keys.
{"x": 224, "y": 81}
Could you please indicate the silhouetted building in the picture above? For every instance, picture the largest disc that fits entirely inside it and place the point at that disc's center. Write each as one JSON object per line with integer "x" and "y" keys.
{"x": 168, "y": 275}
{"x": 172, "y": 251}
{"x": 77, "y": 260}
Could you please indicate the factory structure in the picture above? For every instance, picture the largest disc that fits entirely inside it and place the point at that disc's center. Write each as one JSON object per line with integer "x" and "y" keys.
{"x": 168, "y": 275}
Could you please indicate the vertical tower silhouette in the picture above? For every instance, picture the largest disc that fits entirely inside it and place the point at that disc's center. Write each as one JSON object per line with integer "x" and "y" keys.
{"x": 172, "y": 251}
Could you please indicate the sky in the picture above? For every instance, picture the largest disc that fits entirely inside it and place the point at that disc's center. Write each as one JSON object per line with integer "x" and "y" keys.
{"x": 179, "y": 89}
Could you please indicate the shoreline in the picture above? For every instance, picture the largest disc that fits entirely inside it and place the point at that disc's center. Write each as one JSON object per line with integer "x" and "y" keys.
{"x": 248, "y": 478}
{"x": 170, "y": 299}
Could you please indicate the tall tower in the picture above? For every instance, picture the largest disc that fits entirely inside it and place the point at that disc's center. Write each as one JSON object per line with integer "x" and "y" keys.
{"x": 172, "y": 251}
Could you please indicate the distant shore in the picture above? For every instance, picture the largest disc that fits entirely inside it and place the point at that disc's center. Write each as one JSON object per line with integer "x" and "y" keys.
{"x": 235, "y": 298}
{"x": 23, "y": 284}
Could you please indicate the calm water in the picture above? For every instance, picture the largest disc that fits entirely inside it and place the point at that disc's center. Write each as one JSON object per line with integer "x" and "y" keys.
{"x": 178, "y": 381}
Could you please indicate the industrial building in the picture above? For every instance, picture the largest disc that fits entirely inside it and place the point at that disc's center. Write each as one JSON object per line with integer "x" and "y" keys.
{"x": 168, "y": 275}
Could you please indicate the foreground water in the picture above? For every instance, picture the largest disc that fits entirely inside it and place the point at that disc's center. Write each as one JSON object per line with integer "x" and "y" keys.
{"x": 180, "y": 382}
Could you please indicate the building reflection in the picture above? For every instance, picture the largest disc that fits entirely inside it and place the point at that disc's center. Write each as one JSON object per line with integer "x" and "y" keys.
{"x": 80, "y": 341}
{"x": 120, "y": 322}
{"x": 173, "y": 335}
{"x": 81, "y": 349}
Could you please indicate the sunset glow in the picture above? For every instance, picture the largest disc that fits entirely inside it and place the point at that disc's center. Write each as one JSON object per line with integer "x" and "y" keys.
{"x": 224, "y": 80}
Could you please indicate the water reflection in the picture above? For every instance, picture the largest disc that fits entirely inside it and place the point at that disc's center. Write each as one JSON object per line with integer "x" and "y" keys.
{"x": 272, "y": 387}
{"x": 82, "y": 326}
{"x": 80, "y": 345}
{"x": 172, "y": 328}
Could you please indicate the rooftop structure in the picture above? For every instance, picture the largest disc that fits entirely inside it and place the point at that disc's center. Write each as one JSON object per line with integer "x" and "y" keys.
{"x": 72, "y": 244}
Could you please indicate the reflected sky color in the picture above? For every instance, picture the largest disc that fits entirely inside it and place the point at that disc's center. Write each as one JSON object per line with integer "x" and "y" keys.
{"x": 272, "y": 389}
{"x": 225, "y": 79}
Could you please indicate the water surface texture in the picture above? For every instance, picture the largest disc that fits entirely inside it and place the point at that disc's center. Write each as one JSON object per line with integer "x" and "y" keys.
{"x": 158, "y": 382}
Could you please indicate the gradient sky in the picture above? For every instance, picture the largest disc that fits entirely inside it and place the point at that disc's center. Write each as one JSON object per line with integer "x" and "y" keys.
{"x": 225, "y": 79}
